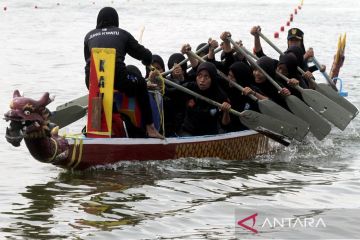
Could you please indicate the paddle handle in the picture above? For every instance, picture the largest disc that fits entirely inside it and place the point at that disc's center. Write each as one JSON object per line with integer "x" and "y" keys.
{"x": 327, "y": 77}
{"x": 194, "y": 94}
{"x": 278, "y": 73}
{"x": 207, "y": 55}
{"x": 298, "y": 68}
{"x": 221, "y": 74}
{"x": 270, "y": 43}
{"x": 240, "y": 50}
{"x": 164, "y": 74}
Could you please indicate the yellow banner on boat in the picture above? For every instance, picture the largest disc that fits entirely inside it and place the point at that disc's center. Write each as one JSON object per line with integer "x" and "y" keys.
{"x": 104, "y": 61}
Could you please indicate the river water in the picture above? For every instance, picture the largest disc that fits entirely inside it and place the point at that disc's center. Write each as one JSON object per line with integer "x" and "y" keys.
{"x": 42, "y": 50}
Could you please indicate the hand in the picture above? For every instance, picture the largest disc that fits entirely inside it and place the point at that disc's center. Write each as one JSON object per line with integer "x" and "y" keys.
{"x": 177, "y": 73}
{"x": 246, "y": 91}
{"x": 185, "y": 49}
{"x": 293, "y": 82}
{"x": 224, "y": 36}
{"x": 239, "y": 43}
{"x": 152, "y": 86}
{"x": 308, "y": 75}
{"x": 225, "y": 107}
{"x": 153, "y": 75}
{"x": 322, "y": 68}
{"x": 212, "y": 44}
{"x": 255, "y": 31}
{"x": 309, "y": 54}
{"x": 284, "y": 92}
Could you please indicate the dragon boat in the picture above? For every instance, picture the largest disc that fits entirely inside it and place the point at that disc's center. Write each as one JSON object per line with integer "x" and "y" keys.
{"x": 29, "y": 121}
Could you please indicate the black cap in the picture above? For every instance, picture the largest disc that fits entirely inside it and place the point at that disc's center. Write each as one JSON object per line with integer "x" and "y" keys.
{"x": 295, "y": 33}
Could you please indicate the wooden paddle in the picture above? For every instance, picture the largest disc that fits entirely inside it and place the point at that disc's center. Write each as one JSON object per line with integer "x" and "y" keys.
{"x": 164, "y": 74}
{"x": 322, "y": 88}
{"x": 68, "y": 115}
{"x": 273, "y": 128}
{"x": 81, "y": 101}
{"x": 328, "y": 91}
{"x": 319, "y": 102}
{"x": 270, "y": 108}
{"x": 327, "y": 108}
{"x": 318, "y": 126}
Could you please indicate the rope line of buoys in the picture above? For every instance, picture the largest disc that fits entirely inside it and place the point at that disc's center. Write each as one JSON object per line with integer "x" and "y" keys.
{"x": 291, "y": 19}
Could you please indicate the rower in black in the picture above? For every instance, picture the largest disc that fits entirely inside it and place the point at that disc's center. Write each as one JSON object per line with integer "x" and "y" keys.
{"x": 265, "y": 86}
{"x": 240, "y": 73}
{"x": 201, "y": 118}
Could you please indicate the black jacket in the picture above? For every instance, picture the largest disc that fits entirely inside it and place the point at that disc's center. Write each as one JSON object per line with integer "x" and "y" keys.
{"x": 108, "y": 35}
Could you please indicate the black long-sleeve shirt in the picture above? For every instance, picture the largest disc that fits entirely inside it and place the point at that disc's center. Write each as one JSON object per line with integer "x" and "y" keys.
{"x": 123, "y": 42}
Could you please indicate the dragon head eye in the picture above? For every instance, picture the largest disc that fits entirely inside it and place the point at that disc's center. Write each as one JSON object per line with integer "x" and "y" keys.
{"x": 27, "y": 112}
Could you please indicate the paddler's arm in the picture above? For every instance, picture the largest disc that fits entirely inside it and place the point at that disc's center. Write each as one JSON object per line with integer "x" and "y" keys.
{"x": 185, "y": 49}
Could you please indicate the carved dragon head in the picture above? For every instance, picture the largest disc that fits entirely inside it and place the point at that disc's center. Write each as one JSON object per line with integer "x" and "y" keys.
{"x": 28, "y": 118}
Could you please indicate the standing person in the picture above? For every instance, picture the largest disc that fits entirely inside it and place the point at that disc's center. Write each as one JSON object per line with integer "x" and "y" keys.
{"x": 107, "y": 34}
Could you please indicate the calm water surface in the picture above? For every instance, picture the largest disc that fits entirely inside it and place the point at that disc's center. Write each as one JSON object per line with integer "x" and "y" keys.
{"x": 42, "y": 50}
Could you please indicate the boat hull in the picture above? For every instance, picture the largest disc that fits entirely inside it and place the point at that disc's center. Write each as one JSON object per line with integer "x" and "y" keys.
{"x": 90, "y": 152}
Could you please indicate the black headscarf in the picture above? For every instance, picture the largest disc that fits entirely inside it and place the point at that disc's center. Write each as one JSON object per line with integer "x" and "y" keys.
{"x": 133, "y": 79}
{"x": 132, "y": 69}
{"x": 214, "y": 91}
{"x": 210, "y": 67}
{"x": 156, "y": 58}
{"x": 107, "y": 17}
{"x": 204, "y": 51}
{"x": 290, "y": 62}
{"x": 268, "y": 64}
{"x": 267, "y": 88}
{"x": 243, "y": 74}
{"x": 176, "y": 58}
{"x": 292, "y": 59}
{"x": 298, "y": 54}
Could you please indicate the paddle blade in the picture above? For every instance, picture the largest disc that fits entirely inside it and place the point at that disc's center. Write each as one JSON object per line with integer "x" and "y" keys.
{"x": 255, "y": 120}
{"x": 274, "y": 110}
{"x": 274, "y": 136}
{"x": 81, "y": 101}
{"x": 318, "y": 126}
{"x": 67, "y": 115}
{"x": 334, "y": 113}
{"x": 343, "y": 102}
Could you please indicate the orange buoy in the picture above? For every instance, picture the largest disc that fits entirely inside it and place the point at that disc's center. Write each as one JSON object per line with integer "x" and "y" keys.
{"x": 282, "y": 28}
{"x": 288, "y": 23}
{"x": 276, "y": 34}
